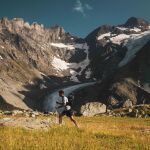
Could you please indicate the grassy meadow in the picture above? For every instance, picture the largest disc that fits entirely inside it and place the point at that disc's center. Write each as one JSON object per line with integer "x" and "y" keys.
{"x": 95, "y": 133}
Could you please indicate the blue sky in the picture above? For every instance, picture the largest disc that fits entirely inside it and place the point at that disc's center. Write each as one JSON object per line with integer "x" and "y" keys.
{"x": 78, "y": 17}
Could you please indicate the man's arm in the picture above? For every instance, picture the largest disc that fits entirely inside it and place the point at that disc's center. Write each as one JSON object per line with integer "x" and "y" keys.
{"x": 59, "y": 103}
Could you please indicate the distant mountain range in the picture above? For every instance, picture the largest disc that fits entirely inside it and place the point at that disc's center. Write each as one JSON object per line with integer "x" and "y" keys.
{"x": 35, "y": 60}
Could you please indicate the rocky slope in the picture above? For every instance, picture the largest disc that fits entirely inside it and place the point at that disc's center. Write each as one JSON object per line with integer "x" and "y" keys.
{"x": 35, "y": 60}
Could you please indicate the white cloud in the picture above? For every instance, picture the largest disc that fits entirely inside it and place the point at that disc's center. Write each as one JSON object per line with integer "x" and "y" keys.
{"x": 81, "y": 8}
{"x": 87, "y": 6}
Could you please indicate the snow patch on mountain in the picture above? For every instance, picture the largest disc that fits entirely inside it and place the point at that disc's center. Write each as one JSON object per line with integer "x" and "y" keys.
{"x": 104, "y": 35}
{"x": 1, "y": 58}
{"x": 130, "y": 29}
{"x": 2, "y": 47}
{"x": 131, "y": 38}
{"x": 60, "y": 64}
{"x": 122, "y": 28}
{"x": 134, "y": 44}
{"x": 135, "y": 29}
{"x": 69, "y": 46}
{"x": 74, "y": 76}
{"x": 62, "y": 45}
{"x": 119, "y": 38}
{"x": 82, "y": 65}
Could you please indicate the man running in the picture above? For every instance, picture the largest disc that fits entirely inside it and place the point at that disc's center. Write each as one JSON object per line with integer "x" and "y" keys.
{"x": 65, "y": 108}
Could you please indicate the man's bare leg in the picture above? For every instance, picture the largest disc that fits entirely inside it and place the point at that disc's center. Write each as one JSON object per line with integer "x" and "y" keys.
{"x": 60, "y": 118}
{"x": 73, "y": 120}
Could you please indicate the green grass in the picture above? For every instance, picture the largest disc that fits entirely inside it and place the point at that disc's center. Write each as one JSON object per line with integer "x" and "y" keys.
{"x": 95, "y": 133}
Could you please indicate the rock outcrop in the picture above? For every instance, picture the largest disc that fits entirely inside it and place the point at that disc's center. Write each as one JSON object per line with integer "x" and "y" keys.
{"x": 93, "y": 108}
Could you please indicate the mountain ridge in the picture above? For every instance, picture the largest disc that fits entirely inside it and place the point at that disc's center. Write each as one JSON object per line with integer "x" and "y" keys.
{"x": 35, "y": 59}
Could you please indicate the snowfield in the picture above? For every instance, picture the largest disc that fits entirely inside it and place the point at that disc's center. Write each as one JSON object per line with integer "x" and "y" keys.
{"x": 60, "y": 64}
{"x": 61, "y": 45}
{"x": 119, "y": 38}
{"x": 135, "y": 29}
{"x": 1, "y": 58}
{"x": 134, "y": 44}
{"x": 104, "y": 35}
{"x": 130, "y": 29}
{"x": 69, "y": 46}
{"x": 2, "y": 47}
{"x": 122, "y": 28}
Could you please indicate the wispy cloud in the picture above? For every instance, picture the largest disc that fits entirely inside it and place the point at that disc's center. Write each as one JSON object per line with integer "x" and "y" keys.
{"x": 87, "y": 6}
{"x": 82, "y": 8}
{"x": 79, "y": 7}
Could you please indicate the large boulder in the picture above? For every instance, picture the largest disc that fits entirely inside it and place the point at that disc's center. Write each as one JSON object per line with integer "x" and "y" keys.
{"x": 93, "y": 108}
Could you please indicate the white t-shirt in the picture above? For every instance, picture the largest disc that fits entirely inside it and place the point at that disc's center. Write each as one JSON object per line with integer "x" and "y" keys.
{"x": 64, "y": 101}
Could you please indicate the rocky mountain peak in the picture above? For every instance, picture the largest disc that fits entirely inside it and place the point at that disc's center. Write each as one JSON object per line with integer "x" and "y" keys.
{"x": 104, "y": 29}
{"x": 18, "y": 24}
{"x": 35, "y": 31}
{"x": 136, "y": 22}
{"x": 58, "y": 30}
{"x": 4, "y": 20}
{"x": 57, "y": 27}
{"x": 37, "y": 26}
{"x": 99, "y": 31}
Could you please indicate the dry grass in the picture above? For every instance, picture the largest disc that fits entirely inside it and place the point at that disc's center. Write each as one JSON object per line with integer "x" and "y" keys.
{"x": 95, "y": 133}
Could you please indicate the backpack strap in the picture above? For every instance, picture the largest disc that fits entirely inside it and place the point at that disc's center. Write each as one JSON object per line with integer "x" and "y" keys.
{"x": 63, "y": 99}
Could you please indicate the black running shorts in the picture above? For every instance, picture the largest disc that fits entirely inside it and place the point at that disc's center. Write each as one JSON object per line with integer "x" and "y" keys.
{"x": 68, "y": 113}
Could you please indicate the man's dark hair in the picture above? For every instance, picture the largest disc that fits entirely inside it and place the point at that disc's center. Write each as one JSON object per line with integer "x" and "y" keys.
{"x": 61, "y": 92}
